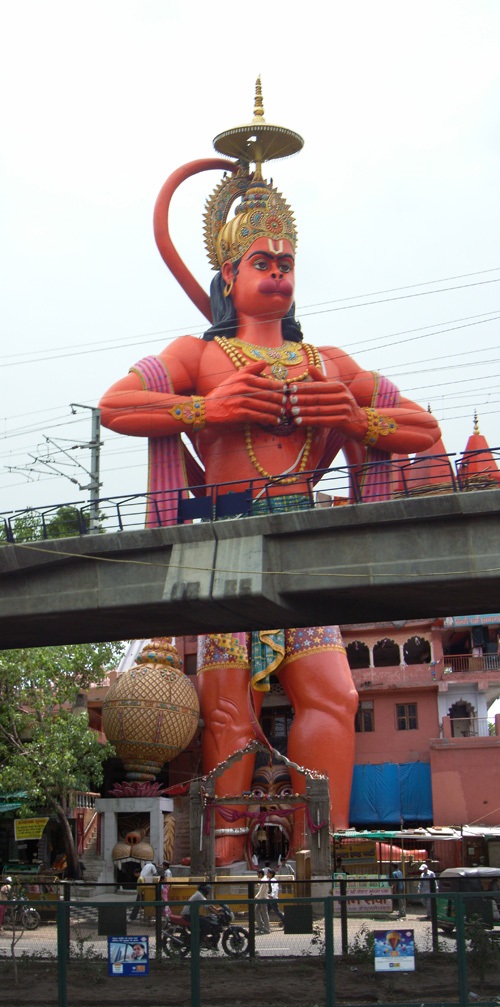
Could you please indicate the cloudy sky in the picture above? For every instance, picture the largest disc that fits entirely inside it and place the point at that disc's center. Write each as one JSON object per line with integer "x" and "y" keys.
{"x": 396, "y": 196}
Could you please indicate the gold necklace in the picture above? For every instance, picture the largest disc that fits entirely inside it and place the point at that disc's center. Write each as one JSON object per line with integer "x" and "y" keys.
{"x": 283, "y": 481}
{"x": 276, "y": 356}
{"x": 313, "y": 358}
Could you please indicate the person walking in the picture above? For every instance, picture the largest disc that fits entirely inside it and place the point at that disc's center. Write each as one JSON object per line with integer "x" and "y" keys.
{"x": 426, "y": 886}
{"x": 165, "y": 888}
{"x": 148, "y": 872}
{"x": 272, "y": 899}
{"x": 398, "y": 888}
{"x": 261, "y": 914}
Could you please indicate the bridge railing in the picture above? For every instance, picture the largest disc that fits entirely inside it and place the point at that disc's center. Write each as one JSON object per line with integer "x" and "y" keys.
{"x": 330, "y": 487}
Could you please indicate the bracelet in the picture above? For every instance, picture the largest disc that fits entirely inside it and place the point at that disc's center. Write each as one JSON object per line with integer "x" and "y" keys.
{"x": 378, "y": 426}
{"x": 191, "y": 412}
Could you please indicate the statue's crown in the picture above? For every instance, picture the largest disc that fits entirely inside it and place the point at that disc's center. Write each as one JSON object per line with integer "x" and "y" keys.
{"x": 262, "y": 212}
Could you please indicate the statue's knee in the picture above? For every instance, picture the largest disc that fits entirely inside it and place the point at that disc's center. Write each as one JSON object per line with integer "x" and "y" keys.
{"x": 224, "y": 716}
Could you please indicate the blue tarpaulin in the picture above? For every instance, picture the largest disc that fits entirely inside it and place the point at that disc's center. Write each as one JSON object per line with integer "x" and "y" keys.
{"x": 389, "y": 794}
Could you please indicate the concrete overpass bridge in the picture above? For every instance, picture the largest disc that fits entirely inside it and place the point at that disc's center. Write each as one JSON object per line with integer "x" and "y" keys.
{"x": 399, "y": 559}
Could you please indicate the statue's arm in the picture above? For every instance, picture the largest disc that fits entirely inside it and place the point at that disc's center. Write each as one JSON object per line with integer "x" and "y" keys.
{"x": 242, "y": 397}
{"x": 128, "y": 407}
{"x": 342, "y": 399}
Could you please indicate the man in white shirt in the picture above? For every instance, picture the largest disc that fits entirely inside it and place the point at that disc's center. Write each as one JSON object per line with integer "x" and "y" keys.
{"x": 426, "y": 886}
{"x": 149, "y": 871}
{"x": 261, "y": 914}
{"x": 272, "y": 902}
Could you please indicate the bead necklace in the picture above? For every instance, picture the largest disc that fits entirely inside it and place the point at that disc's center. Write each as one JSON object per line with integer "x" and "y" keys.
{"x": 239, "y": 361}
{"x": 303, "y": 455}
{"x": 276, "y": 356}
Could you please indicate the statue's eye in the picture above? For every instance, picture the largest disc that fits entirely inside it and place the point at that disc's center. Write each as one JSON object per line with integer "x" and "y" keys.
{"x": 285, "y": 266}
{"x": 258, "y": 792}
{"x": 260, "y": 264}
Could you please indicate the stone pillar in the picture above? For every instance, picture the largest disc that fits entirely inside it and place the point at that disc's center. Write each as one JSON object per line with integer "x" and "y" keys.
{"x": 319, "y": 842}
{"x": 201, "y": 846}
{"x": 446, "y": 727}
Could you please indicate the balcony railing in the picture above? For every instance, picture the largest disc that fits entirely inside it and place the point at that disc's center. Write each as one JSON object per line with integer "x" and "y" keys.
{"x": 473, "y": 727}
{"x": 467, "y": 662}
{"x": 82, "y": 799}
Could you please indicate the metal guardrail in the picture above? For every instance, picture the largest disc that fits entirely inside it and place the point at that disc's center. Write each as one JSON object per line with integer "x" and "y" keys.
{"x": 76, "y": 937}
{"x": 338, "y": 486}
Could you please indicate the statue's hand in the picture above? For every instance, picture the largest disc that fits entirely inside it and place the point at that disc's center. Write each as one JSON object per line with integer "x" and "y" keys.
{"x": 245, "y": 397}
{"x": 325, "y": 402}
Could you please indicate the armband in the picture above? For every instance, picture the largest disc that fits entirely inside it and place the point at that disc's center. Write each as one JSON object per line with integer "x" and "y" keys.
{"x": 191, "y": 412}
{"x": 378, "y": 426}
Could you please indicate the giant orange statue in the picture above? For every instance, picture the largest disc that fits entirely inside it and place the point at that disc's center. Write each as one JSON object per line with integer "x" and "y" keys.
{"x": 257, "y": 403}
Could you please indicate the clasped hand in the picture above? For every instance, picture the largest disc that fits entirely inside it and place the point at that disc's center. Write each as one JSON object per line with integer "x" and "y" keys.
{"x": 249, "y": 397}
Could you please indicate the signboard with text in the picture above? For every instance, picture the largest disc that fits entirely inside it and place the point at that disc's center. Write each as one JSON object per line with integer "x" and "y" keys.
{"x": 29, "y": 828}
{"x": 359, "y": 853}
{"x": 357, "y": 901}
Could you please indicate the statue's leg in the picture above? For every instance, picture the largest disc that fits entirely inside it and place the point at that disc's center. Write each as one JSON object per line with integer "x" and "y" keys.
{"x": 223, "y": 689}
{"x": 317, "y": 679}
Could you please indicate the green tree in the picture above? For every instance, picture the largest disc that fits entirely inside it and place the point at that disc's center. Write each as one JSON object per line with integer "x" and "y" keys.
{"x": 65, "y": 522}
{"x": 46, "y": 746}
{"x": 26, "y": 528}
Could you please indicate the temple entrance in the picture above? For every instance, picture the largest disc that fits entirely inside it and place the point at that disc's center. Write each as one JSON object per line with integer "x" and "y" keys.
{"x": 270, "y": 843}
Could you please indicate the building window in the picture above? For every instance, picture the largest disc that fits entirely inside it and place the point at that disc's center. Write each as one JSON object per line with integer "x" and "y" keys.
{"x": 417, "y": 650}
{"x": 358, "y": 654}
{"x": 406, "y": 716}
{"x": 386, "y": 653}
{"x": 364, "y": 721}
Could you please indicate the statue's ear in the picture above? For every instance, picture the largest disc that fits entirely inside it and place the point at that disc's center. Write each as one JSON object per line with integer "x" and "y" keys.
{"x": 227, "y": 272}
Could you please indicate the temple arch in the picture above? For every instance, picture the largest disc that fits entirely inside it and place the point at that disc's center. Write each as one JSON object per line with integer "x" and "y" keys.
{"x": 417, "y": 650}
{"x": 463, "y": 719}
{"x": 358, "y": 654}
{"x": 386, "y": 653}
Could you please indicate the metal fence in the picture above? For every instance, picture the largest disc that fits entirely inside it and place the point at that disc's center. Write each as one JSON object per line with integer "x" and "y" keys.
{"x": 321, "y": 953}
{"x": 334, "y": 486}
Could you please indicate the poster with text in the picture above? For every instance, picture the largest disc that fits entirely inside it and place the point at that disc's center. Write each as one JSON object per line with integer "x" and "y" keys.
{"x": 394, "y": 950}
{"x": 128, "y": 956}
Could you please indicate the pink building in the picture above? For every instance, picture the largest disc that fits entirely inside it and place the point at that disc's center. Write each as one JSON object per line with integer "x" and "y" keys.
{"x": 427, "y": 750}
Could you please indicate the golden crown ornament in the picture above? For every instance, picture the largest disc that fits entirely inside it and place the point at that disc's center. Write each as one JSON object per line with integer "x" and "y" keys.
{"x": 263, "y": 212}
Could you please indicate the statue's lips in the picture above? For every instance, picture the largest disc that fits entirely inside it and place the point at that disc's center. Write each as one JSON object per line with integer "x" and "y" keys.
{"x": 283, "y": 287}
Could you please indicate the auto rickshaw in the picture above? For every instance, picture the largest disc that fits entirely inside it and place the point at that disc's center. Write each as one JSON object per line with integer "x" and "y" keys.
{"x": 482, "y": 887}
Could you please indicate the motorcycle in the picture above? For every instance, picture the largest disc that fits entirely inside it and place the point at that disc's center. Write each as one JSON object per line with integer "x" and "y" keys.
{"x": 19, "y": 915}
{"x": 176, "y": 937}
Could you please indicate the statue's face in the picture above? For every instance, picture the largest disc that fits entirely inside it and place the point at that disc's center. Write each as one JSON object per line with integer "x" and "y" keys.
{"x": 273, "y": 784}
{"x": 265, "y": 281}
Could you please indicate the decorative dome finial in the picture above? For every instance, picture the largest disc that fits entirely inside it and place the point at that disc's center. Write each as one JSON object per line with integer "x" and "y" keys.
{"x": 476, "y": 422}
{"x": 258, "y": 112}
